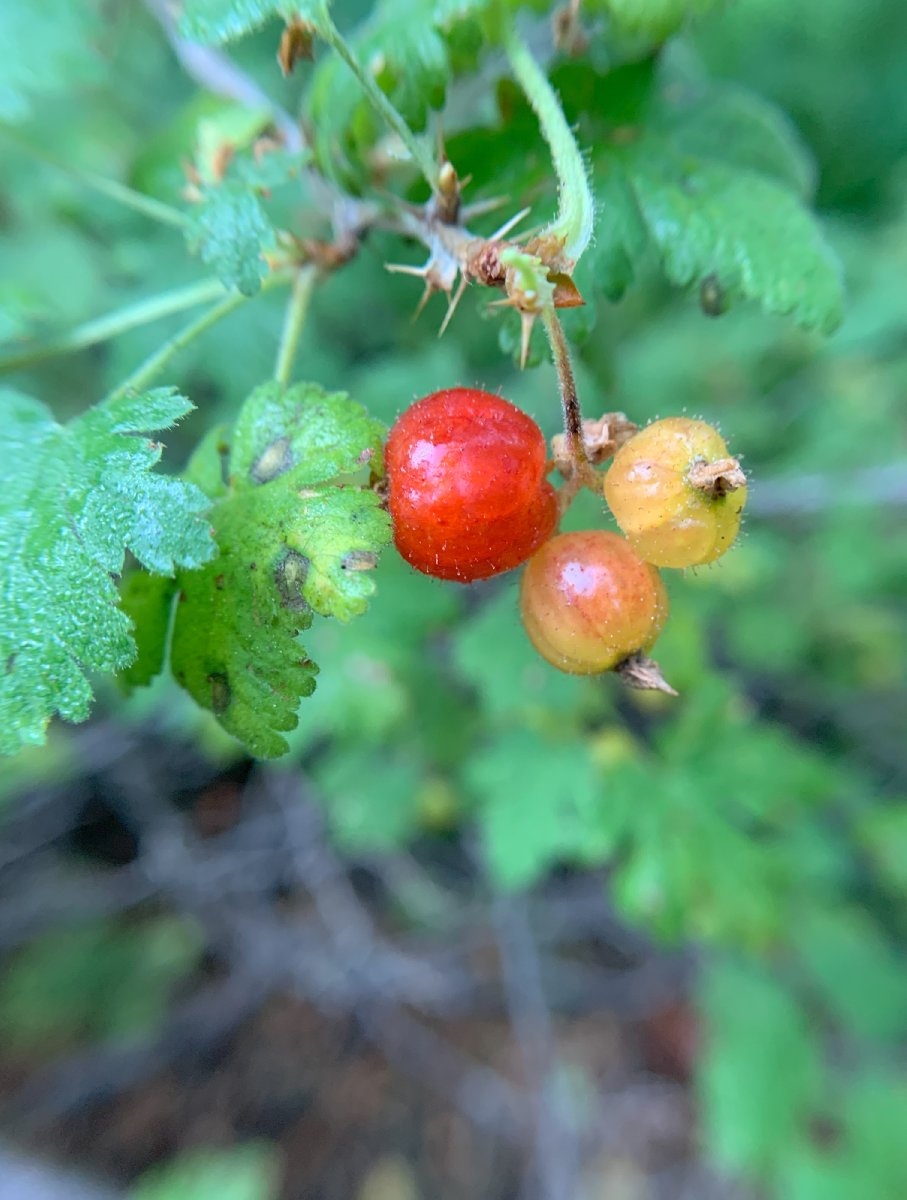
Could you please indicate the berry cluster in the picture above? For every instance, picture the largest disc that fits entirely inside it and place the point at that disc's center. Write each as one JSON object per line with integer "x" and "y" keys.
{"x": 469, "y": 498}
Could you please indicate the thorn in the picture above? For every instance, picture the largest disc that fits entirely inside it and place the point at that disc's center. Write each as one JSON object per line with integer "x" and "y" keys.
{"x": 527, "y": 320}
{"x": 427, "y": 294}
{"x": 452, "y": 305}
{"x": 479, "y": 207}
{"x": 405, "y": 269}
{"x": 510, "y": 224}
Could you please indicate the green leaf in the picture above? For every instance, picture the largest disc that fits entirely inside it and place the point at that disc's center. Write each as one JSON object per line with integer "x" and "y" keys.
{"x": 741, "y": 129}
{"x": 372, "y": 802}
{"x": 714, "y": 179}
{"x": 492, "y": 653}
{"x": 292, "y": 544}
{"x": 883, "y": 834}
{"x": 760, "y": 1075}
{"x": 876, "y": 1117}
{"x": 753, "y": 236}
{"x": 621, "y": 239}
{"x": 854, "y": 971}
{"x": 248, "y": 1172}
{"x": 216, "y": 21}
{"x": 401, "y": 46}
{"x": 538, "y": 803}
{"x": 228, "y": 229}
{"x": 47, "y": 48}
{"x": 655, "y": 19}
{"x": 75, "y": 498}
{"x": 147, "y": 600}
{"x": 303, "y": 428}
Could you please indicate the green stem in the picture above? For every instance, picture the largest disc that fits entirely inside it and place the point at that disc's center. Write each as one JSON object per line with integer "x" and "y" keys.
{"x": 418, "y": 151}
{"x": 100, "y": 329}
{"x": 154, "y": 364}
{"x": 576, "y": 207}
{"x": 294, "y": 321}
{"x": 127, "y": 196}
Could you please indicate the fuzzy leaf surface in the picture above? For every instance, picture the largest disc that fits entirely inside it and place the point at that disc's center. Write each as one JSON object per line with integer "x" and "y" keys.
{"x": 715, "y": 181}
{"x": 228, "y": 229}
{"x": 293, "y": 543}
{"x": 216, "y": 21}
{"x": 75, "y": 498}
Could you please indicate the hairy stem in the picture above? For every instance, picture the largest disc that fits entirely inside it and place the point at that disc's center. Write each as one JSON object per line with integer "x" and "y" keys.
{"x": 576, "y": 209}
{"x": 145, "y": 373}
{"x": 294, "y": 322}
{"x": 418, "y": 151}
{"x": 582, "y": 474}
{"x": 101, "y": 329}
{"x": 156, "y": 210}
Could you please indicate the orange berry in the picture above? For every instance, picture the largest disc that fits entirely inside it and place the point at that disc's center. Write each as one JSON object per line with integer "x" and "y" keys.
{"x": 588, "y": 602}
{"x": 676, "y": 494}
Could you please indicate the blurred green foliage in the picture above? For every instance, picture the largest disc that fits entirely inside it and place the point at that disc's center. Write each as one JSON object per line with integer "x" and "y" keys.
{"x": 246, "y": 1172}
{"x": 97, "y": 980}
{"x": 761, "y": 815}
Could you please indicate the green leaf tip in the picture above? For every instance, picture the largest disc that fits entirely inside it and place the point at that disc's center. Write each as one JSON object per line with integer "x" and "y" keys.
{"x": 76, "y": 497}
{"x": 214, "y": 22}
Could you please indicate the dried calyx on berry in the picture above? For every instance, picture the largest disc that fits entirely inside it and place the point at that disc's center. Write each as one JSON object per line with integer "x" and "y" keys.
{"x": 676, "y": 493}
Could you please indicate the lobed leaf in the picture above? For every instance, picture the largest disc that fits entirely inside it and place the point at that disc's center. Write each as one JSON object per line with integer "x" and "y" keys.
{"x": 294, "y": 541}
{"x": 714, "y": 180}
{"x": 750, "y": 235}
{"x": 75, "y": 498}
{"x": 538, "y": 802}
{"x": 228, "y": 229}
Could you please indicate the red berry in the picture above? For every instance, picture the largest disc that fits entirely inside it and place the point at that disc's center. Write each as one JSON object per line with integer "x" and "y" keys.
{"x": 675, "y": 493}
{"x": 589, "y": 602}
{"x": 467, "y": 491}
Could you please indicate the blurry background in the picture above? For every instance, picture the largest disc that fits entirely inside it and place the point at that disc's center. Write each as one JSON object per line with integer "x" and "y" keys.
{"x": 304, "y": 980}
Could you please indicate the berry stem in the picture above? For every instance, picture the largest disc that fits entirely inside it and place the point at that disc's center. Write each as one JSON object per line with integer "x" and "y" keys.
{"x": 418, "y": 150}
{"x": 582, "y": 474}
{"x": 143, "y": 375}
{"x": 294, "y": 323}
{"x": 572, "y": 226}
